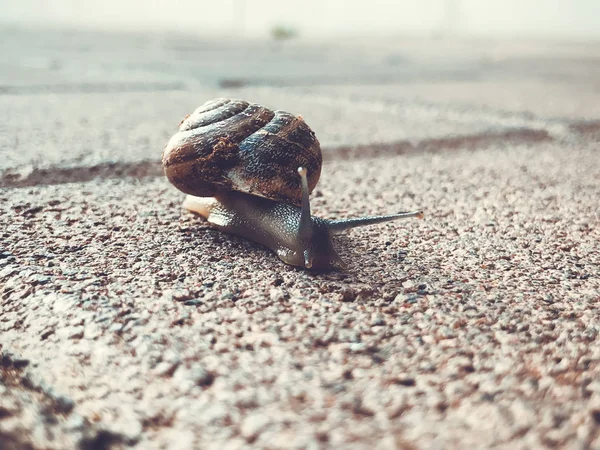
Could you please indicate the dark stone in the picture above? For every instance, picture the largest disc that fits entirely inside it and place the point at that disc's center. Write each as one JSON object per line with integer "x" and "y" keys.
{"x": 202, "y": 377}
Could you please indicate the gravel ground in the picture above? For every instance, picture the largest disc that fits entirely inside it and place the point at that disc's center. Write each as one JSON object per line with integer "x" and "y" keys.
{"x": 126, "y": 322}
{"x": 477, "y": 326}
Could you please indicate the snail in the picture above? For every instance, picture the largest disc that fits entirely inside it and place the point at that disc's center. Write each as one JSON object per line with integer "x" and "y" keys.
{"x": 249, "y": 171}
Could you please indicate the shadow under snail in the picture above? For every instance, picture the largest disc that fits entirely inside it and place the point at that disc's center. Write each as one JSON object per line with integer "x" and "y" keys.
{"x": 249, "y": 171}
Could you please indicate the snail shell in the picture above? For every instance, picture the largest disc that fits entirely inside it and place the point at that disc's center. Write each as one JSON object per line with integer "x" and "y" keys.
{"x": 233, "y": 145}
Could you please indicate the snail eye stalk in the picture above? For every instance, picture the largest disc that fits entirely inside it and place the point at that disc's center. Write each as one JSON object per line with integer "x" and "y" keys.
{"x": 305, "y": 230}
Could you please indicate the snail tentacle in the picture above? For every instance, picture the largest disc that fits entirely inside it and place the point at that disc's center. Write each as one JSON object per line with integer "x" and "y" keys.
{"x": 339, "y": 226}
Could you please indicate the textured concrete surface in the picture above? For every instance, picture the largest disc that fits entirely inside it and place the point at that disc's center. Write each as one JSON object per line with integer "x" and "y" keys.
{"x": 71, "y": 129}
{"x": 126, "y": 322}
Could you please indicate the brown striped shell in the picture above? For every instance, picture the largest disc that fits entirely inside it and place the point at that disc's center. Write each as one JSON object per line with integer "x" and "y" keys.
{"x": 235, "y": 145}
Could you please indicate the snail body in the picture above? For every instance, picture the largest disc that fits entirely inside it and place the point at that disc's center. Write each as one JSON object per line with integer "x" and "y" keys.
{"x": 249, "y": 171}
{"x": 271, "y": 224}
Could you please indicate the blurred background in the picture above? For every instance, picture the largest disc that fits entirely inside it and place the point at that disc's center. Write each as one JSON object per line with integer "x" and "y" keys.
{"x": 417, "y": 69}
{"x": 318, "y": 18}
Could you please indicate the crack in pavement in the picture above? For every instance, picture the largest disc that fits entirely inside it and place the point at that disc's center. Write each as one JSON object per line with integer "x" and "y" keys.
{"x": 152, "y": 168}
{"x": 63, "y": 175}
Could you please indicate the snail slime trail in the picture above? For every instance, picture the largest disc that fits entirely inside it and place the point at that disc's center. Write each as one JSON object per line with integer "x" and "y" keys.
{"x": 249, "y": 171}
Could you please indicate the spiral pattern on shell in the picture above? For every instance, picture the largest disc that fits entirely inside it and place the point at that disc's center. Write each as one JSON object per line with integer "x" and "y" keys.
{"x": 235, "y": 145}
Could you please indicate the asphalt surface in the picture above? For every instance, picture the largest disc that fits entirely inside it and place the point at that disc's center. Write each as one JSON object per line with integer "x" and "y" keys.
{"x": 126, "y": 322}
